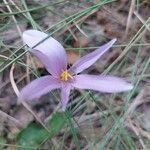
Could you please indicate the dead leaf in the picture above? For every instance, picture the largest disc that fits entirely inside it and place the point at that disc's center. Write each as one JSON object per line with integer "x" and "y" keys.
{"x": 140, "y": 109}
{"x": 72, "y": 56}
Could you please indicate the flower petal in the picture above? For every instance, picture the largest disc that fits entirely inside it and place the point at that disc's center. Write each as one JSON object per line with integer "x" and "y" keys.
{"x": 65, "y": 91}
{"x": 39, "y": 87}
{"x": 50, "y": 52}
{"x": 87, "y": 60}
{"x": 108, "y": 84}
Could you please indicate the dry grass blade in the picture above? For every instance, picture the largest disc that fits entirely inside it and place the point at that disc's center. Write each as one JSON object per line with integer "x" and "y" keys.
{"x": 132, "y": 7}
{"x": 23, "y": 102}
{"x": 141, "y": 19}
{"x": 18, "y": 123}
{"x": 136, "y": 131}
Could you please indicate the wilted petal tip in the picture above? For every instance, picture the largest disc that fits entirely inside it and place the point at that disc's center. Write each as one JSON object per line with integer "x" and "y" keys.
{"x": 130, "y": 86}
{"x": 114, "y": 40}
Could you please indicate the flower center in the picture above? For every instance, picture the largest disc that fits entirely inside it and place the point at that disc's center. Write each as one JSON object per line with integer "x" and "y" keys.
{"x": 65, "y": 75}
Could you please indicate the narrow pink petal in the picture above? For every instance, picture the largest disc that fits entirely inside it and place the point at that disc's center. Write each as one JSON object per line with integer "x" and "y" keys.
{"x": 108, "y": 84}
{"x": 50, "y": 52}
{"x": 65, "y": 92}
{"x": 89, "y": 59}
{"x": 39, "y": 87}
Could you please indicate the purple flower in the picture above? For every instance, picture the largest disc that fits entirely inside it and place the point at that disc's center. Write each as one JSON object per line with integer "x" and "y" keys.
{"x": 52, "y": 54}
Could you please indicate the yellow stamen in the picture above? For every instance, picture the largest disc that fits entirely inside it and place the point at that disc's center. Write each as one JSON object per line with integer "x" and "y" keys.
{"x": 65, "y": 75}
